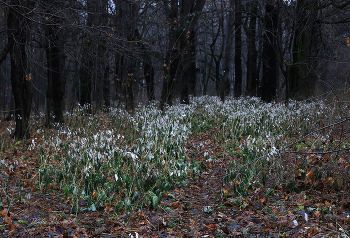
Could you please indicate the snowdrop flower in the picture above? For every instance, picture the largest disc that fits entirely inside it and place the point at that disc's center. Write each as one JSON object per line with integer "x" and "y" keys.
{"x": 132, "y": 155}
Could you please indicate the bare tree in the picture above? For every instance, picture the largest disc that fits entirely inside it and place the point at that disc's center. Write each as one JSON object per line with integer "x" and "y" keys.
{"x": 182, "y": 16}
{"x": 18, "y": 25}
{"x": 252, "y": 54}
{"x": 270, "y": 66}
{"x": 238, "y": 49}
{"x": 55, "y": 64}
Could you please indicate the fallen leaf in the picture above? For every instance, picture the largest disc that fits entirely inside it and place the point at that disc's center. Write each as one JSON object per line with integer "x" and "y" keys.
{"x": 312, "y": 231}
{"x": 341, "y": 161}
{"x": 3, "y": 213}
{"x": 348, "y": 220}
{"x": 331, "y": 226}
{"x": 212, "y": 226}
{"x": 317, "y": 214}
{"x": 175, "y": 205}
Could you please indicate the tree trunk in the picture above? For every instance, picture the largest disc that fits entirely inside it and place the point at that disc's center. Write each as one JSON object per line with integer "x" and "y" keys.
{"x": 188, "y": 62}
{"x": 172, "y": 58}
{"x": 252, "y": 70}
{"x": 101, "y": 82}
{"x": 302, "y": 75}
{"x": 228, "y": 51}
{"x": 270, "y": 67}
{"x": 20, "y": 77}
{"x": 149, "y": 77}
{"x": 238, "y": 49}
{"x": 180, "y": 55}
{"x": 56, "y": 80}
{"x": 86, "y": 73}
{"x": 106, "y": 87}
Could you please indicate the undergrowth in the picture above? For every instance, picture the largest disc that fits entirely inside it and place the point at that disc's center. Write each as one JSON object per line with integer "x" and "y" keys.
{"x": 127, "y": 161}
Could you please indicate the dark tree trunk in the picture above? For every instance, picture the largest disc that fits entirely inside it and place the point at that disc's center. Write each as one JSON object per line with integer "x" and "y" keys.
{"x": 238, "y": 50}
{"x": 128, "y": 79}
{"x": 252, "y": 70}
{"x": 6, "y": 50}
{"x": 172, "y": 58}
{"x": 91, "y": 74}
{"x": 20, "y": 77}
{"x": 86, "y": 73}
{"x": 220, "y": 87}
{"x": 180, "y": 52}
{"x": 188, "y": 62}
{"x": 125, "y": 60}
{"x": 302, "y": 75}
{"x": 149, "y": 77}
{"x": 106, "y": 87}
{"x": 270, "y": 67}
{"x": 228, "y": 52}
{"x": 219, "y": 84}
{"x": 191, "y": 65}
{"x": 11, "y": 113}
{"x": 118, "y": 77}
{"x": 56, "y": 80}
{"x": 101, "y": 84}
{"x": 129, "y": 98}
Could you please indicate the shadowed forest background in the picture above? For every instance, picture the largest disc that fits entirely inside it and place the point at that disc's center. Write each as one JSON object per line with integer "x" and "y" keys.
{"x": 55, "y": 55}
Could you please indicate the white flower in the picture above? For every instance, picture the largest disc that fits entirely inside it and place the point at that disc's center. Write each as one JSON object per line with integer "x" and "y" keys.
{"x": 132, "y": 155}
{"x": 116, "y": 177}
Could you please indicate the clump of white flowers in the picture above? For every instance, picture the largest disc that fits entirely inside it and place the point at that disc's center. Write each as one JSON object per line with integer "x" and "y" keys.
{"x": 133, "y": 150}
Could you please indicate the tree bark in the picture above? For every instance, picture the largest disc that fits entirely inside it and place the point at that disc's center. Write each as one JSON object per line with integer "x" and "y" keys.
{"x": 149, "y": 77}
{"x": 172, "y": 59}
{"x": 228, "y": 51}
{"x": 181, "y": 50}
{"x": 6, "y": 50}
{"x": 302, "y": 74}
{"x": 270, "y": 67}
{"x": 252, "y": 70}
{"x": 20, "y": 77}
{"x": 238, "y": 49}
{"x": 55, "y": 78}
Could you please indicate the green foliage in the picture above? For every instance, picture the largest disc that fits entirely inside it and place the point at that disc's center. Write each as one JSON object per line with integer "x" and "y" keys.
{"x": 128, "y": 161}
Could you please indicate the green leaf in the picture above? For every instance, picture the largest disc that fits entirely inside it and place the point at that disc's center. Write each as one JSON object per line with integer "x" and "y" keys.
{"x": 93, "y": 208}
{"x": 155, "y": 201}
{"x": 74, "y": 209}
{"x": 171, "y": 195}
{"x": 22, "y": 221}
{"x": 66, "y": 191}
{"x": 270, "y": 192}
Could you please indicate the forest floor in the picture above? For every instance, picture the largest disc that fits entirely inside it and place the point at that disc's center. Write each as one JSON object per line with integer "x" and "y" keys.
{"x": 201, "y": 206}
